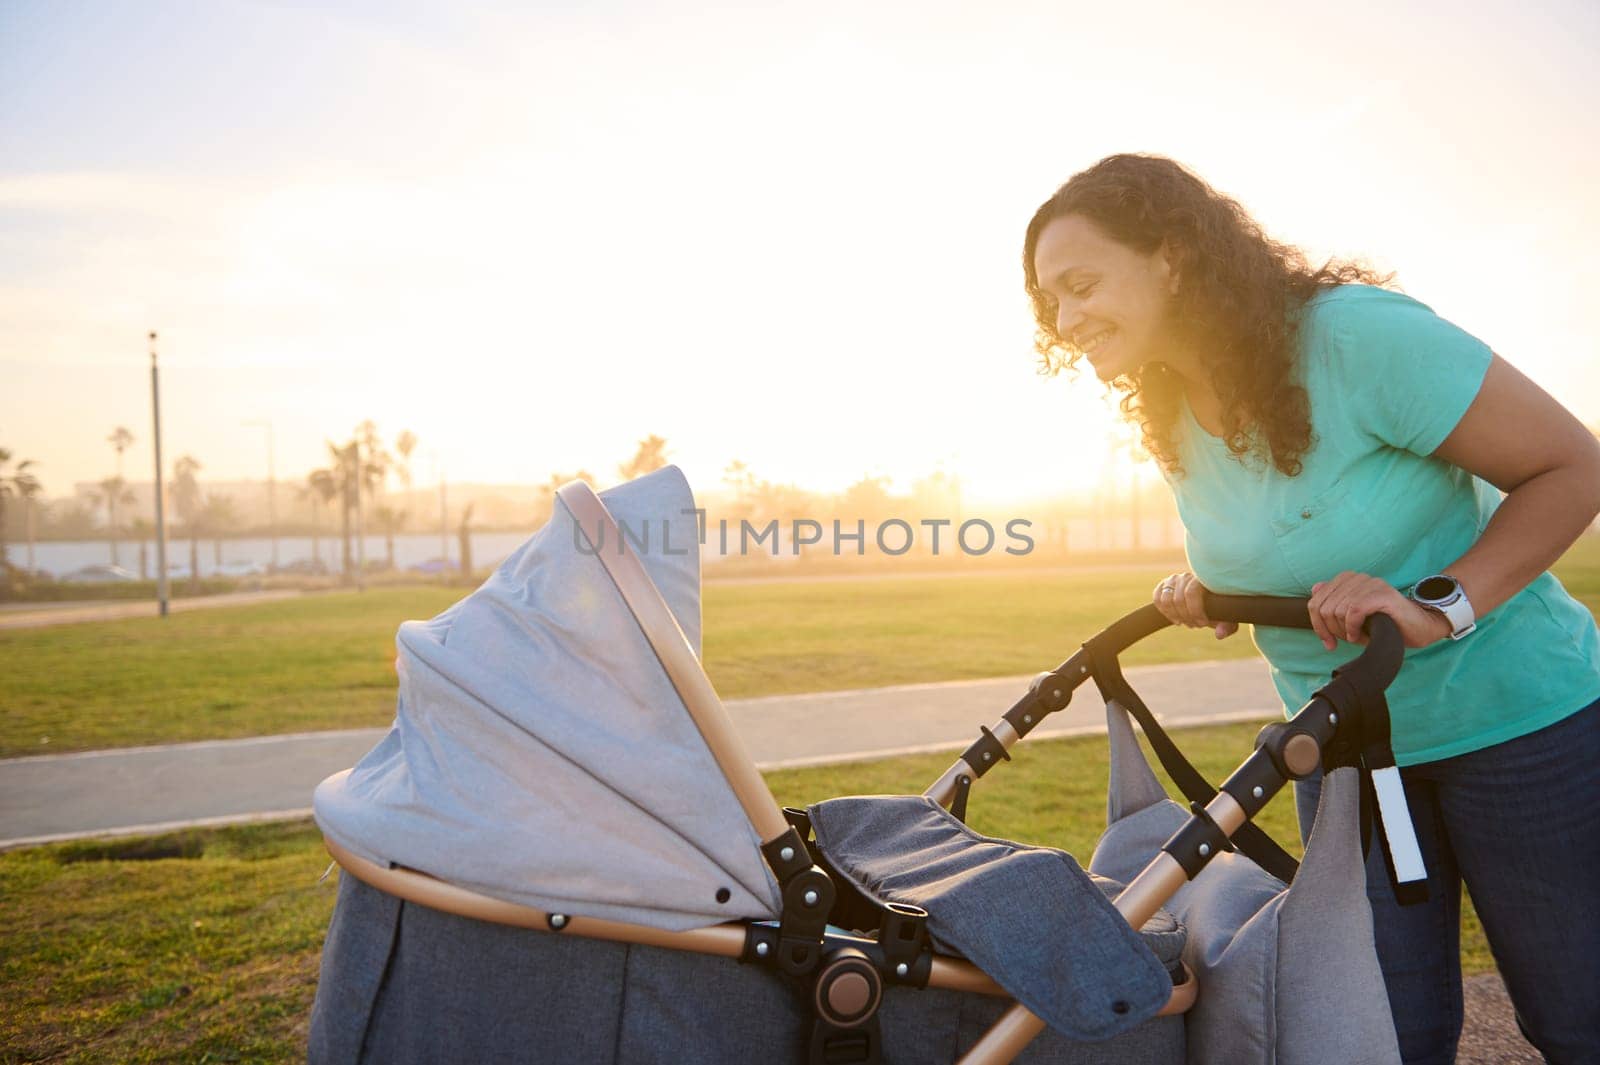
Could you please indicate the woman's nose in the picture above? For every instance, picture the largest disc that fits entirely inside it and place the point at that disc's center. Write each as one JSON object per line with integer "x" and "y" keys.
{"x": 1065, "y": 324}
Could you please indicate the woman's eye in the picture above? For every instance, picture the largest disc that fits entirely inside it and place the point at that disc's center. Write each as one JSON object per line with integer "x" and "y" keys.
{"x": 1081, "y": 291}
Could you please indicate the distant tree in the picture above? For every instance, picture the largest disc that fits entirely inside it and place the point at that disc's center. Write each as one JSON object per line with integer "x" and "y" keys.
{"x": 343, "y": 476}
{"x": 187, "y": 502}
{"x": 391, "y": 520}
{"x": 28, "y": 489}
{"x": 22, "y": 484}
{"x": 868, "y": 498}
{"x": 938, "y": 493}
{"x": 141, "y": 530}
{"x": 220, "y": 515}
{"x": 761, "y": 500}
{"x": 113, "y": 492}
{"x": 404, "y": 445}
{"x": 650, "y": 456}
{"x": 741, "y": 482}
{"x": 464, "y": 532}
{"x": 120, "y": 439}
{"x": 71, "y": 519}
{"x": 321, "y": 488}
{"x": 373, "y": 463}
{"x": 1126, "y": 440}
{"x": 376, "y": 461}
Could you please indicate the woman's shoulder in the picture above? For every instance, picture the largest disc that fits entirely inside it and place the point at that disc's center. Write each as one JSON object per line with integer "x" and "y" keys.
{"x": 1407, "y": 372}
{"x": 1363, "y": 327}
{"x": 1354, "y": 304}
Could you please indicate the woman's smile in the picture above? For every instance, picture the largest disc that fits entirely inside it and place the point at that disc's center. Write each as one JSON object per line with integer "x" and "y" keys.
{"x": 1091, "y": 344}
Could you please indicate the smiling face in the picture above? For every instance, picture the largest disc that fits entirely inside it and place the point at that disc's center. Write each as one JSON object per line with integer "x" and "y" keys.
{"x": 1111, "y": 302}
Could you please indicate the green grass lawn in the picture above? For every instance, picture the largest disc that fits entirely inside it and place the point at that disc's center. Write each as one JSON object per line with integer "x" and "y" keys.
{"x": 203, "y": 946}
{"x": 326, "y": 661}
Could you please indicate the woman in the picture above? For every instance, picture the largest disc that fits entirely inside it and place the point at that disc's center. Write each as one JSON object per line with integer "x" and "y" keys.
{"x": 1327, "y": 437}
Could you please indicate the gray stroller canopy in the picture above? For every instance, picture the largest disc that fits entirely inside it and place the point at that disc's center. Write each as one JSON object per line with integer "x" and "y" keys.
{"x": 540, "y": 754}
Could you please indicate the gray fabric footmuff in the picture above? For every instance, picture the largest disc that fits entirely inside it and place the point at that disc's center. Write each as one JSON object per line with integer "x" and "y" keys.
{"x": 1288, "y": 975}
{"x": 1030, "y": 917}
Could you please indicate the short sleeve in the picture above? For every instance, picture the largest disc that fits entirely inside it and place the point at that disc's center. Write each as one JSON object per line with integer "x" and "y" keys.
{"x": 1409, "y": 374}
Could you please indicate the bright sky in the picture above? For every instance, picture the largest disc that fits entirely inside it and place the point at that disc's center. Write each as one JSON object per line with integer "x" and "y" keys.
{"x": 783, "y": 233}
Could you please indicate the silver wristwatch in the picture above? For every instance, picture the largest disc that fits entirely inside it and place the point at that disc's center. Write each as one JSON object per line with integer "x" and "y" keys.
{"x": 1442, "y": 593}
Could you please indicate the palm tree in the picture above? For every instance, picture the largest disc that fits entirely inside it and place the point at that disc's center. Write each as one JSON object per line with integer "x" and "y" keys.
{"x": 120, "y": 439}
{"x": 404, "y": 445}
{"x": 341, "y": 476}
{"x": 219, "y": 515}
{"x": 376, "y": 462}
{"x": 321, "y": 488}
{"x": 28, "y": 488}
{"x": 113, "y": 491}
{"x": 186, "y": 501}
{"x": 24, "y": 485}
{"x": 391, "y": 520}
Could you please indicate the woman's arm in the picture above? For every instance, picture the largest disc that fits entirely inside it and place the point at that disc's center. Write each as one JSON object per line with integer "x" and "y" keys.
{"x": 1521, "y": 440}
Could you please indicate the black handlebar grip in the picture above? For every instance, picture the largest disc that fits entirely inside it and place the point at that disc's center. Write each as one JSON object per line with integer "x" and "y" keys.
{"x": 1381, "y": 660}
{"x": 1276, "y": 611}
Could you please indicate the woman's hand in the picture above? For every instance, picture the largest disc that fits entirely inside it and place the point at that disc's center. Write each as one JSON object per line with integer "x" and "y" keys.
{"x": 1179, "y": 598}
{"x": 1340, "y": 606}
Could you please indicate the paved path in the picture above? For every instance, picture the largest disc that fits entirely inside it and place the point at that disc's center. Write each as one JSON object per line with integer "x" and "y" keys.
{"x": 146, "y": 789}
{"x": 39, "y": 615}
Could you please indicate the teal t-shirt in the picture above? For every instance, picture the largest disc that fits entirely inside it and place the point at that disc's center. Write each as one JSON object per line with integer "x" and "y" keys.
{"x": 1387, "y": 380}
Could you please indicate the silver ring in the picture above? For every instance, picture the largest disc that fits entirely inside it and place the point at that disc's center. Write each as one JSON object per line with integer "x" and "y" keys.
{"x": 1167, "y": 588}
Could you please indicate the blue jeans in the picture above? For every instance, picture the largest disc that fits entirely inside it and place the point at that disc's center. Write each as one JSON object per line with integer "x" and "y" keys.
{"x": 1519, "y": 824}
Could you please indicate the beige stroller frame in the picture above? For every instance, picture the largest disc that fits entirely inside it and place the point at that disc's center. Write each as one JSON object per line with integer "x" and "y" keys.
{"x": 847, "y": 991}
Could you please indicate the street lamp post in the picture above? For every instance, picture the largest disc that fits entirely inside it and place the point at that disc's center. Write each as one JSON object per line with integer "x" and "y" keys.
{"x": 272, "y": 491}
{"x": 161, "y": 513}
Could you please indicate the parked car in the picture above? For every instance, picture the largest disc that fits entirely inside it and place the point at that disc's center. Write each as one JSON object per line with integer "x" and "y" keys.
{"x": 239, "y": 569}
{"x": 101, "y": 573}
{"x": 434, "y": 565}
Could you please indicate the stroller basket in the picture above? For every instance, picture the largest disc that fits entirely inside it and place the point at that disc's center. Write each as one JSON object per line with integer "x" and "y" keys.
{"x": 864, "y": 954}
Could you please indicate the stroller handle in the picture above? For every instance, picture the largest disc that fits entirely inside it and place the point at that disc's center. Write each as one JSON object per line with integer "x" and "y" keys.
{"x": 1278, "y": 612}
{"x": 1371, "y": 672}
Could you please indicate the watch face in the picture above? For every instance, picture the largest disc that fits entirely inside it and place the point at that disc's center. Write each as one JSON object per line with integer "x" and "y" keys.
{"x": 1433, "y": 589}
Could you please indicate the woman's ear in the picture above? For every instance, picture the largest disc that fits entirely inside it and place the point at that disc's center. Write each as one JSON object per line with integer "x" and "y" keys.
{"x": 1170, "y": 259}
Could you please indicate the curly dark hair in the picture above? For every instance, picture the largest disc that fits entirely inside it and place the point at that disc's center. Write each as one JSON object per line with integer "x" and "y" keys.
{"x": 1236, "y": 290}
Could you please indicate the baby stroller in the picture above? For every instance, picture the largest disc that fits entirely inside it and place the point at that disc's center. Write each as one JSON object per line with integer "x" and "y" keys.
{"x": 549, "y": 860}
